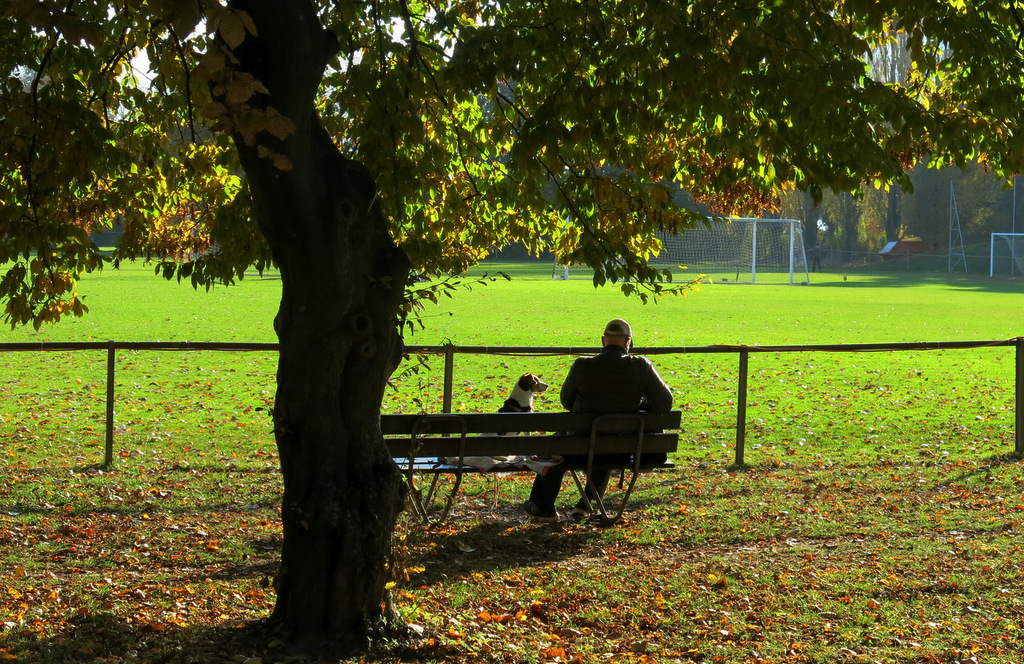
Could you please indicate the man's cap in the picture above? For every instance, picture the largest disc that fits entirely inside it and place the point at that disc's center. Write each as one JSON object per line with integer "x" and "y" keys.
{"x": 618, "y": 328}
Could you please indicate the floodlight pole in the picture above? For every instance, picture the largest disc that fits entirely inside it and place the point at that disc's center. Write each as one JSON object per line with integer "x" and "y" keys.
{"x": 1013, "y": 218}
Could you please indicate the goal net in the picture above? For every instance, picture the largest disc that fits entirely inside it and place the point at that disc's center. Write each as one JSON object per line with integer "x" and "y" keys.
{"x": 737, "y": 250}
{"x": 1006, "y": 255}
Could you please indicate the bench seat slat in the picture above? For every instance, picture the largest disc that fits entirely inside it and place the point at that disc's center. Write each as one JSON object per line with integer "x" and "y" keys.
{"x": 441, "y": 423}
{"x": 561, "y": 444}
{"x": 431, "y": 465}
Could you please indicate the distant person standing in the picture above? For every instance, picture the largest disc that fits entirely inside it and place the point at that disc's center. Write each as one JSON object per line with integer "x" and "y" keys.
{"x": 613, "y": 381}
{"x": 815, "y": 253}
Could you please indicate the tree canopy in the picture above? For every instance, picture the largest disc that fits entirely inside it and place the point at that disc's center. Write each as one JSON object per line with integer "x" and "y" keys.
{"x": 564, "y": 125}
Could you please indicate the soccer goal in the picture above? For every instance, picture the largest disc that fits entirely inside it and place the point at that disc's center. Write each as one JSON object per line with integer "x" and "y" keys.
{"x": 737, "y": 250}
{"x": 740, "y": 250}
{"x": 1006, "y": 254}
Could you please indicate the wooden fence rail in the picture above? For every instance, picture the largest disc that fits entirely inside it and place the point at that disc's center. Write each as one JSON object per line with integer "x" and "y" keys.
{"x": 449, "y": 351}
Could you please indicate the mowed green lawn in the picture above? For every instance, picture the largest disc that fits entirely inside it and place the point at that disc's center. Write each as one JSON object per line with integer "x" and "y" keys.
{"x": 878, "y": 519}
{"x": 805, "y": 399}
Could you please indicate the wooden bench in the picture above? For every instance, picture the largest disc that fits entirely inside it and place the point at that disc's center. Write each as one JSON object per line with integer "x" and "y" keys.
{"x": 444, "y": 444}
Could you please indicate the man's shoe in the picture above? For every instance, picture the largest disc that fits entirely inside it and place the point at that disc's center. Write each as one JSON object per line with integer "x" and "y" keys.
{"x": 536, "y": 513}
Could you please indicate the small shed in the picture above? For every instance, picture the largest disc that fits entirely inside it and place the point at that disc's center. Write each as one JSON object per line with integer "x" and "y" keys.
{"x": 905, "y": 248}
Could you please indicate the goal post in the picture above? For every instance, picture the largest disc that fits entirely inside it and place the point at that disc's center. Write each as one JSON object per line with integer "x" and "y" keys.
{"x": 1006, "y": 254}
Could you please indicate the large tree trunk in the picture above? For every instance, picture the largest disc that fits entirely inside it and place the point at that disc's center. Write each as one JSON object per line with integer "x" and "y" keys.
{"x": 343, "y": 279}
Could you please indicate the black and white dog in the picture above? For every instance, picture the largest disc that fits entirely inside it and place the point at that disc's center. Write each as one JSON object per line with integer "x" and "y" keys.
{"x": 519, "y": 401}
{"x": 521, "y": 398}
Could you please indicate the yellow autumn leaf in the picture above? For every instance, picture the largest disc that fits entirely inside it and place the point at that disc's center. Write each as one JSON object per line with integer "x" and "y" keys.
{"x": 278, "y": 125}
{"x": 232, "y": 29}
{"x": 282, "y": 162}
{"x": 240, "y": 90}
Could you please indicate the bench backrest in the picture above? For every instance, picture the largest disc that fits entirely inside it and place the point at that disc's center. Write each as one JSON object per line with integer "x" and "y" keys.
{"x": 442, "y": 434}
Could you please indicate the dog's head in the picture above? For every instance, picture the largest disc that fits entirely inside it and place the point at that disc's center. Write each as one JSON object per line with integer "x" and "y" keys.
{"x": 530, "y": 382}
{"x": 521, "y": 399}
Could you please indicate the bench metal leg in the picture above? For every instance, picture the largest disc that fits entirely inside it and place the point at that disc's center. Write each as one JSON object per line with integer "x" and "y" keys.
{"x": 602, "y": 509}
{"x": 606, "y": 512}
{"x": 421, "y": 501}
{"x": 495, "y": 494}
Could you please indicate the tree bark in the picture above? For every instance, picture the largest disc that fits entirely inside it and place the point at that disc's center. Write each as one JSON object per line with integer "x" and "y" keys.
{"x": 343, "y": 280}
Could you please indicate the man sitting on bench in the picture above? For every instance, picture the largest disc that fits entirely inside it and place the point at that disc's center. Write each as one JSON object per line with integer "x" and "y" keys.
{"x": 613, "y": 381}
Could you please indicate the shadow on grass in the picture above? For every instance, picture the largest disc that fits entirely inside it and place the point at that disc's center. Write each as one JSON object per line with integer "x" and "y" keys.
{"x": 136, "y": 511}
{"x": 98, "y": 469}
{"x": 91, "y": 637}
{"x": 503, "y": 539}
{"x": 984, "y": 468}
{"x": 857, "y": 278}
{"x": 103, "y": 636}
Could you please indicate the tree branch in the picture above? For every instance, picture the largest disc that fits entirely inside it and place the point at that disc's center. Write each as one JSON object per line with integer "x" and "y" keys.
{"x": 179, "y": 49}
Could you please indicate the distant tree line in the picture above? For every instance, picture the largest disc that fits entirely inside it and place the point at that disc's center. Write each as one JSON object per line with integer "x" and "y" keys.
{"x": 845, "y": 223}
{"x": 973, "y": 197}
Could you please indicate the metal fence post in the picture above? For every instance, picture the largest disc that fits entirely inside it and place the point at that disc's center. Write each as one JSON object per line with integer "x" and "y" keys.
{"x": 109, "y": 456}
{"x": 741, "y": 408}
{"x": 1018, "y": 402}
{"x": 449, "y": 373}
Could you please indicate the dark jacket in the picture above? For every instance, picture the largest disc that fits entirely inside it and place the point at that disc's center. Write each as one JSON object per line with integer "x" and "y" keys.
{"x": 613, "y": 381}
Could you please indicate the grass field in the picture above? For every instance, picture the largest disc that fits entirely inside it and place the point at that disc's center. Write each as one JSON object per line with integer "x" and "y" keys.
{"x": 879, "y": 519}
